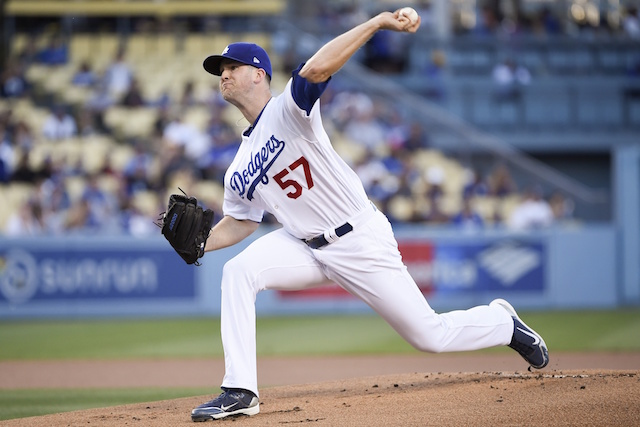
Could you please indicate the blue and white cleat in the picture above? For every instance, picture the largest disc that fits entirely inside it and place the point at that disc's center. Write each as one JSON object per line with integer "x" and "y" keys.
{"x": 229, "y": 403}
{"x": 525, "y": 340}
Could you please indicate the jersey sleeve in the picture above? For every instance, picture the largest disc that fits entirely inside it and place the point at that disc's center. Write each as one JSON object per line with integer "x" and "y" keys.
{"x": 305, "y": 94}
{"x": 240, "y": 211}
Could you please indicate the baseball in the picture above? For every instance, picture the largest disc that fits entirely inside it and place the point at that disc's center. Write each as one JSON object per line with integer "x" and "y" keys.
{"x": 410, "y": 13}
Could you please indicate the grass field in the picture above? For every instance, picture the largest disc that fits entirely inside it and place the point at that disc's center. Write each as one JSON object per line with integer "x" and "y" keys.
{"x": 575, "y": 331}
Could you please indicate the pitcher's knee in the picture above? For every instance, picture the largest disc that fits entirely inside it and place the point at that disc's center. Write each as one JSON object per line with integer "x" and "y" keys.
{"x": 231, "y": 267}
{"x": 428, "y": 339}
{"x": 427, "y": 345}
{"x": 237, "y": 272}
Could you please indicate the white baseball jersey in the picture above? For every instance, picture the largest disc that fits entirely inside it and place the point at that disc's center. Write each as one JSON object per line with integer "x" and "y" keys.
{"x": 287, "y": 166}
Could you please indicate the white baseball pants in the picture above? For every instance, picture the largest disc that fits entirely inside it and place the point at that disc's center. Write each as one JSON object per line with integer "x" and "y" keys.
{"x": 366, "y": 263}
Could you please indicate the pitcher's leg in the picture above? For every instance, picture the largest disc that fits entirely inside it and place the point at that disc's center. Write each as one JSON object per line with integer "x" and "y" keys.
{"x": 274, "y": 261}
{"x": 460, "y": 330}
{"x": 396, "y": 297}
{"x": 382, "y": 281}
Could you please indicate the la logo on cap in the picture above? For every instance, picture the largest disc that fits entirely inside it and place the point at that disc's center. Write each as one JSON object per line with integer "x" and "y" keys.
{"x": 256, "y": 60}
{"x": 226, "y": 49}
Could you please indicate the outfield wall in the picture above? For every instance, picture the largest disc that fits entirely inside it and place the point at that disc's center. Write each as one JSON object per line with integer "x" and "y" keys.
{"x": 77, "y": 277}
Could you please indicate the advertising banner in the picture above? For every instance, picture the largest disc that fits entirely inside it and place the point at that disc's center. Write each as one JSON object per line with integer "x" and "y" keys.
{"x": 461, "y": 267}
{"x": 54, "y": 275}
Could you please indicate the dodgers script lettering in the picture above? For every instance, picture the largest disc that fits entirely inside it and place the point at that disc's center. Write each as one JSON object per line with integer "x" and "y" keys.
{"x": 245, "y": 181}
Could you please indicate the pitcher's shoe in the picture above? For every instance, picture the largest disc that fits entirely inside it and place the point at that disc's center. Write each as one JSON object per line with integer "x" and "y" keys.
{"x": 525, "y": 340}
{"x": 230, "y": 402}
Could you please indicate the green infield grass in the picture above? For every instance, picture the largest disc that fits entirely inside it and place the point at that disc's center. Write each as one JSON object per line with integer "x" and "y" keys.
{"x": 568, "y": 331}
{"x": 32, "y": 403}
{"x": 306, "y": 335}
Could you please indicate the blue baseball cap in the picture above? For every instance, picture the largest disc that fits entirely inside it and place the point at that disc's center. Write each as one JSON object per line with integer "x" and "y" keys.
{"x": 246, "y": 53}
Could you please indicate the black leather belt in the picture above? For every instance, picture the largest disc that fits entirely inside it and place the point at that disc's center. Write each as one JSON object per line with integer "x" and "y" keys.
{"x": 320, "y": 241}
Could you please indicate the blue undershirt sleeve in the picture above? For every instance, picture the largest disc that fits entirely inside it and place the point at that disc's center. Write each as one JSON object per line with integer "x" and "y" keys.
{"x": 305, "y": 94}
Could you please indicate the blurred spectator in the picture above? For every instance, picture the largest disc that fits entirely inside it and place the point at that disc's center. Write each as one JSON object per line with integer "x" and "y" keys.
{"x": 508, "y": 79}
{"x": 215, "y": 164}
{"x": 5, "y": 174}
{"x": 365, "y": 129}
{"x": 386, "y": 52}
{"x": 434, "y": 71}
{"x": 138, "y": 224}
{"x": 214, "y": 100}
{"x": 98, "y": 104}
{"x": 411, "y": 177}
{"x": 396, "y": 130}
{"x": 100, "y": 206}
{"x": 84, "y": 76}
{"x": 549, "y": 23}
{"x": 346, "y": 105}
{"x": 496, "y": 216}
{"x": 7, "y": 156}
{"x": 162, "y": 120}
{"x": 59, "y": 124}
{"x": 13, "y": 83}
{"x": 467, "y": 218}
{"x": 134, "y": 220}
{"x": 219, "y": 130}
{"x": 55, "y": 202}
{"x": 133, "y": 96}
{"x": 163, "y": 101}
{"x": 172, "y": 160}
{"x": 26, "y": 221}
{"x": 406, "y": 183}
{"x": 474, "y": 184}
{"x": 108, "y": 167}
{"x": 373, "y": 173}
{"x": 532, "y": 213}
{"x": 23, "y": 136}
{"x": 383, "y": 188}
{"x": 23, "y": 172}
{"x": 178, "y": 132}
{"x": 46, "y": 169}
{"x": 6, "y": 121}
{"x": 501, "y": 184}
{"x": 398, "y": 162}
{"x": 435, "y": 179}
{"x": 417, "y": 139}
{"x": 55, "y": 53}
{"x": 118, "y": 75}
{"x": 631, "y": 23}
{"x": 561, "y": 206}
{"x": 77, "y": 216}
{"x": 488, "y": 21}
{"x": 435, "y": 214}
{"x": 29, "y": 53}
{"x": 87, "y": 125}
{"x": 137, "y": 170}
{"x": 224, "y": 144}
{"x": 188, "y": 97}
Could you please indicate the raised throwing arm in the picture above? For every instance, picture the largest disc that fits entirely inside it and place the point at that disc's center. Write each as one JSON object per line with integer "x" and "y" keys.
{"x": 333, "y": 55}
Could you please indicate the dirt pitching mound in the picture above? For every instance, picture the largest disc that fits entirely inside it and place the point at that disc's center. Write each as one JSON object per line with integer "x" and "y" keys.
{"x": 548, "y": 398}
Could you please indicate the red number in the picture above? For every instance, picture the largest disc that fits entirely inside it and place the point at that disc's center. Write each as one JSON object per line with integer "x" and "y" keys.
{"x": 288, "y": 183}
{"x": 297, "y": 188}
{"x": 307, "y": 171}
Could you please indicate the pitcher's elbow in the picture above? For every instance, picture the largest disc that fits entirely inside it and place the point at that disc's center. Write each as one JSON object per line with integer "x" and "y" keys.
{"x": 315, "y": 74}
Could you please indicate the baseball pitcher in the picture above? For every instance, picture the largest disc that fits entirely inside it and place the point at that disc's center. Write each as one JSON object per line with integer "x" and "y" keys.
{"x": 287, "y": 166}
